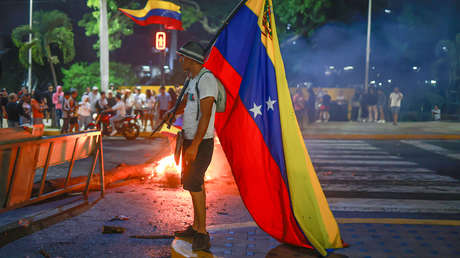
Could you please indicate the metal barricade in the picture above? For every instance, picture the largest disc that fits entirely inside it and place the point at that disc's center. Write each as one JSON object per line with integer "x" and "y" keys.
{"x": 20, "y": 160}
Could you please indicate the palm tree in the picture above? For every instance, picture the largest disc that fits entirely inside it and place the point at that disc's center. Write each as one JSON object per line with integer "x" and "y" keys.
{"x": 50, "y": 29}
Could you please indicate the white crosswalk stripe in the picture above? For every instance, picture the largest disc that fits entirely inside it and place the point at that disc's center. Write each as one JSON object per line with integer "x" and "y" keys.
{"x": 347, "y": 156}
{"x": 359, "y": 167}
{"x": 433, "y": 148}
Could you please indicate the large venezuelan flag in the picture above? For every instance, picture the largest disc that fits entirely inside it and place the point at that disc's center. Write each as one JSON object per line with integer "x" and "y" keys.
{"x": 260, "y": 135}
{"x": 158, "y": 12}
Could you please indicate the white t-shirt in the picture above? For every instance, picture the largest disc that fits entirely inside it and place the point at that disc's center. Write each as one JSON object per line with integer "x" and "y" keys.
{"x": 436, "y": 114}
{"x": 150, "y": 102}
{"x": 84, "y": 109}
{"x": 139, "y": 100}
{"x": 93, "y": 98}
{"x": 207, "y": 88}
{"x": 120, "y": 108}
{"x": 395, "y": 99}
{"x": 163, "y": 101}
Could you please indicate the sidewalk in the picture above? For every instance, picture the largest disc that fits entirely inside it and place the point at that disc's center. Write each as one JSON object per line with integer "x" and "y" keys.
{"x": 387, "y": 131}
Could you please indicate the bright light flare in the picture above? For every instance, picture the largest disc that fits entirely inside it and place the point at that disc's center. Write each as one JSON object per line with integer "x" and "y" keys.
{"x": 167, "y": 167}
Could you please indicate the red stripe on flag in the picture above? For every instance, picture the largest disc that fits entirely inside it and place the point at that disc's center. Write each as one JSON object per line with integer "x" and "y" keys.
{"x": 168, "y": 22}
{"x": 256, "y": 173}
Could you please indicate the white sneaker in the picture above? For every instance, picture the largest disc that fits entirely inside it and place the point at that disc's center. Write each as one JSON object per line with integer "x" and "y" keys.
{"x": 114, "y": 132}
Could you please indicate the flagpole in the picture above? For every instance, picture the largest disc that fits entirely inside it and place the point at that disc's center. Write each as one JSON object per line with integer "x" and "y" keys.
{"x": 229, "y": 17}
{"x": 29, "y": 76}
{"x": 211, "y": 43}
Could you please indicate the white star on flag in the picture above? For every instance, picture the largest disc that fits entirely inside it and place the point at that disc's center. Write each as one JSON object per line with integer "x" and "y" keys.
{"x": 256, "y": 110}
{"x": 270, "y": 103}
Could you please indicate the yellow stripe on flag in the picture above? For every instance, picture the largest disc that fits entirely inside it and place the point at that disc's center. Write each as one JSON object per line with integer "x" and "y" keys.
{"x": 152, "y": 4}
{"x": 309, "y": 204}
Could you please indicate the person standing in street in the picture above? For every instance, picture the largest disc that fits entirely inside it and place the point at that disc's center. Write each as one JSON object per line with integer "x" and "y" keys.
{"x": 3, "y": 103}
{"x": 381, "y": 106}
{"x": 311, "y": 111}
{"x": 66, "y": 113}
{"x": 198, "y": 107}
{"x": 299, "y": 106}
{"x": 436, "y": 113}
{"x": 13, "y": 111}
{"x": 84, "y": 112}
{"x": 372, "y": 100}
{"x": 38, "y": 108}
{"x": 50, "y": 106}
{"x": 163, "y": 103}
{"x": 149, "y": 114}
{"x": 58, "y": 99}
{"x": 325, "y": 107}
{"x": 25, "y": 117}
{"x": 395, "y": 104}
{"x": 94, "y": 96}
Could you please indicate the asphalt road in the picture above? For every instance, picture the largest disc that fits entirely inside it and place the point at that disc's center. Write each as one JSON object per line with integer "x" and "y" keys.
{"x": 413, "y": 179}
{"x": 406, "y": 176}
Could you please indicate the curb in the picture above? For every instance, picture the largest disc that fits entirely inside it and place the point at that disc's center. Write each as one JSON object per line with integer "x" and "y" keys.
{"x": 41, "y": 220}
{"x": 330, "y": 136}
{"x": 141, "y": 134}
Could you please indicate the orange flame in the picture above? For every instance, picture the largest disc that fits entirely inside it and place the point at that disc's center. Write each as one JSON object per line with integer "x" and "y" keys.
{"x": 167, "y": 165}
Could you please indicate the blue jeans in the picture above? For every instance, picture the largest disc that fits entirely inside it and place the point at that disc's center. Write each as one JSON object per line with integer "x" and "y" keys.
{"x": 58, "y": 117}
{"x": 114, "y": 119}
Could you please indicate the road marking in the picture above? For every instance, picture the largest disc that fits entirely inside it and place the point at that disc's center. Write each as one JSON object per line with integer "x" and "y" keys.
{"x": 439, "y": 189}
{"x": 398, "y": 221}
{"x": 361, "y": 162}
{"x": 401, "y": 176}
{"x": 433, "y": 148}
{"x": 183, "y": 248}
{"x": 321, "y": 156}
{"x": 347, "y": 152}
{"x": 334, "y": 141}
{"x": 394, "y": 205}
{"x": 374, "y": 169}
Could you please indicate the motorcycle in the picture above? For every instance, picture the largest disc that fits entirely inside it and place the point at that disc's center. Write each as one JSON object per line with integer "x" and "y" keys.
{"x": 127, "y": 127}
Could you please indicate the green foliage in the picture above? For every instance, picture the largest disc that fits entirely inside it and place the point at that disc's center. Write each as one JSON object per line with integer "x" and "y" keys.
{"x": 82, "y": 75}
{"x": 119, "y": 24}
{"x": 49, "y": 28}
{"x": 303, "y": 15}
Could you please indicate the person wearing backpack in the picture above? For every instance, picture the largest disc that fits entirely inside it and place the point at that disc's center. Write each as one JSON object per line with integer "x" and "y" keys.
{"x": 199, "y": 107}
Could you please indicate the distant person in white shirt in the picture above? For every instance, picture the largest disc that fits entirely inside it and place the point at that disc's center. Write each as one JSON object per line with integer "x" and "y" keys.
{"x": 139, "y": 101}
{"x": 94, "y": 96}
{"x": 84, "y": 112}
{"x": 395, "y": 103}
{"x": 120, "y": 110}
{"x": 436, "y": 113}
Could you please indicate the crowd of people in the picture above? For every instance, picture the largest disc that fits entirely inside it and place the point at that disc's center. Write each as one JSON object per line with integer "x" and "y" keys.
{"x": 71, "y": 111}
{"x": 366, "y": 106}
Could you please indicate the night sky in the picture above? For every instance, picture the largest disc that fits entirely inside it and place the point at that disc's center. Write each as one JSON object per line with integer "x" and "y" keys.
{"x": 340, "y": 42}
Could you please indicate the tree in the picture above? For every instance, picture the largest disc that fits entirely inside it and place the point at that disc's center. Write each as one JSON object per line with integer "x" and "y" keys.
{"x": 82, "y": 75}
{"x": 51, "y": 29}
{"x": 118, "y": 24}
{"x": 448, "y": 62}
{"x": 303, "y": 15}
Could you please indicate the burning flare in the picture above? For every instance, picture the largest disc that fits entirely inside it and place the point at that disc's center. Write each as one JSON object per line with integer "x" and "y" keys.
{"x": 167, "y": 167}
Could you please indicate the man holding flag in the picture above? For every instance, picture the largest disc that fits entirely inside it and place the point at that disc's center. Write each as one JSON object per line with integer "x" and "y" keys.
{"x": 198, "y": 106}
